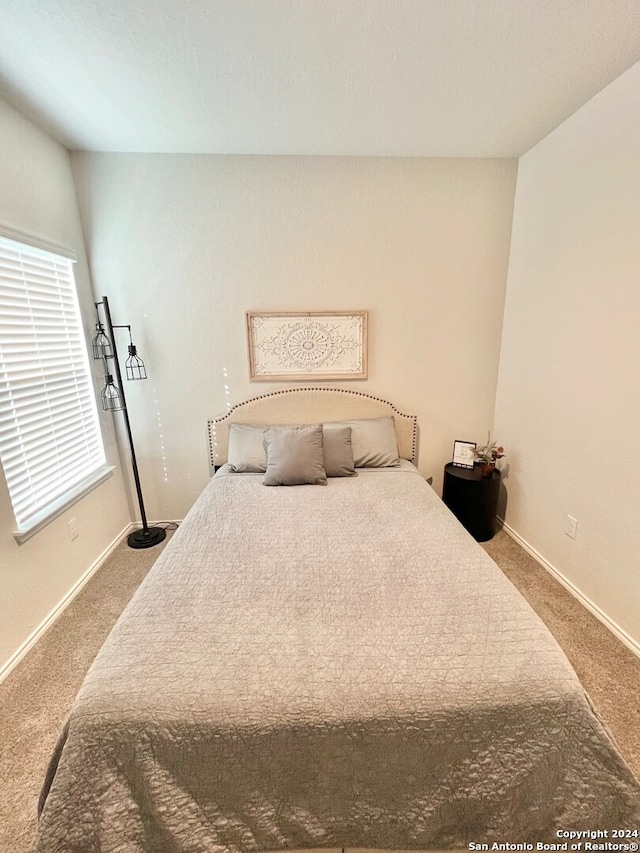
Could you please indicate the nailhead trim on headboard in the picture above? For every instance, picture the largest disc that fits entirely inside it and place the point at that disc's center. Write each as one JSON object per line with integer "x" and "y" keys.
{"x": 211, "y": 423}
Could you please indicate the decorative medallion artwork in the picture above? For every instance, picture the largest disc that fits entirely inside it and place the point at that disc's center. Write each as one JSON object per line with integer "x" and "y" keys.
{"x": 312, "y": 345}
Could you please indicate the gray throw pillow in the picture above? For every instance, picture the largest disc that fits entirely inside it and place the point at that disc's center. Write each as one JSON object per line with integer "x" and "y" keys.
{"x": 338, "y": 453}
{"x": 294, "y": 456}
{"x": 373, "y": 441}
{"x": 246, "y": 448}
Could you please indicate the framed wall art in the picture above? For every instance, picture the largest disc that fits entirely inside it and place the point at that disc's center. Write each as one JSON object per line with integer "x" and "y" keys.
{"x": 307, "y": 345}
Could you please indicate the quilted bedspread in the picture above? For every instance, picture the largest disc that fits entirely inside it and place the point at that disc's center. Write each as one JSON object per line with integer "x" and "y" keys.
{"x": 321, "y": 666}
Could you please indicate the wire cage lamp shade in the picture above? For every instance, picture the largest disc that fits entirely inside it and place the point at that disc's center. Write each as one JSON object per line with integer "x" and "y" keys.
{"x": 101, "y": 345}
{"x": 134, "y": 365}
{"x": 111, "y": 396}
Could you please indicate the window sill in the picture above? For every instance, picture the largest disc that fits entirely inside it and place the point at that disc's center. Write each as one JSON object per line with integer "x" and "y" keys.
{"x": 55, "y": 509}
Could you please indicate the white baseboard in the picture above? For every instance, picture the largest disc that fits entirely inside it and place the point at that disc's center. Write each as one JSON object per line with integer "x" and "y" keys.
{"x": 33, "y": 638}
{"x": 619, "y": 632}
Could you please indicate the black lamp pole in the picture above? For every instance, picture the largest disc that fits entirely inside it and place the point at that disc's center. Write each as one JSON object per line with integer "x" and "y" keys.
{"x": 148, "y": 536}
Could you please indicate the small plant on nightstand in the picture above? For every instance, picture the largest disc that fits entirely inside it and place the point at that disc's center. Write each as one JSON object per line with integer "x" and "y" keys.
{"x": 487, "y": 455}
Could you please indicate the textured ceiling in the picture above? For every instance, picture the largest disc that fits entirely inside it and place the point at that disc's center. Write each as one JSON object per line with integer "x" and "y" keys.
{"x": 452, "y": 78}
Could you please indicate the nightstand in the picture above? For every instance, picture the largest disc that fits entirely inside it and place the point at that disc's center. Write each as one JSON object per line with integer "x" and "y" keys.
{"x": 472, "y": 498}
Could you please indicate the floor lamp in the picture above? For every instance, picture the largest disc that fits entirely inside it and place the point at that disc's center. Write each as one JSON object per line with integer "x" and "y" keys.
{"x": 113, "y": 400}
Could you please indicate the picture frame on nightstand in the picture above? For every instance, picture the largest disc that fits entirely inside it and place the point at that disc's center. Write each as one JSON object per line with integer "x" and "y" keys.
{"x": 463, "y": 454}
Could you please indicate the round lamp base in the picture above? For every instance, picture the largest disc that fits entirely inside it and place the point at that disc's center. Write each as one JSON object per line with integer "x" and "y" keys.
{"x": 146, "y": 538}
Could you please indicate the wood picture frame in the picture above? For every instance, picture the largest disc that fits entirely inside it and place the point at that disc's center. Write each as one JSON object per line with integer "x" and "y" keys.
{"x": 303, "y": 345}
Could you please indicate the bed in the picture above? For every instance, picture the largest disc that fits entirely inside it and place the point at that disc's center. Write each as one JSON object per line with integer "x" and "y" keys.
{"x": 324, "y": 667}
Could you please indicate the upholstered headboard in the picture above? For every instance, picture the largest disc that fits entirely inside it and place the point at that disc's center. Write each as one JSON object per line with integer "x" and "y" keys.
{"x": 311, "y": 405}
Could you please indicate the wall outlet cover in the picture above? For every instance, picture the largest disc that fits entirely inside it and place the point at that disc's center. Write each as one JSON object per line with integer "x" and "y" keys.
{"x": 571, "y": 527}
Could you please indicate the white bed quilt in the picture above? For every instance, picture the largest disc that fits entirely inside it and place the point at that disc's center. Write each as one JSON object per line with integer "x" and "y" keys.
{"x": 326, "y": 666}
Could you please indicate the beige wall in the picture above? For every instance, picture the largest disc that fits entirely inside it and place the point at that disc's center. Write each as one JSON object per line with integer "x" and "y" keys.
{"x": 37, "y": 196}
{"x": 184, "y": 245}
{"x": 568, "y": 408}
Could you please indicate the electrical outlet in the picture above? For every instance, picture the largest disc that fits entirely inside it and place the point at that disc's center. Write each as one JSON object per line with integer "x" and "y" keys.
{"x": 571, "y": 527}
{"x": 73, "y": 530}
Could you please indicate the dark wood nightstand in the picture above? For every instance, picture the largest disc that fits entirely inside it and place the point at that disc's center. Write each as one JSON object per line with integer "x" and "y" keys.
{"x": 472, "y": 498}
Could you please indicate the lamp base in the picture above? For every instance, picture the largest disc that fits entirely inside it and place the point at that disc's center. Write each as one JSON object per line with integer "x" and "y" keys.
{"x": 146, "y": 538}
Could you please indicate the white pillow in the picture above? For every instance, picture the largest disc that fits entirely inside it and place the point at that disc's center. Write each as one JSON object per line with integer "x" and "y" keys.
{"x": 373, "y": 441}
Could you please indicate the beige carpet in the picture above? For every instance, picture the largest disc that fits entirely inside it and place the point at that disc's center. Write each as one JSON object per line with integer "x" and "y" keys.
{"x": 609, "y": 671}
{"x": 35, "y": 698}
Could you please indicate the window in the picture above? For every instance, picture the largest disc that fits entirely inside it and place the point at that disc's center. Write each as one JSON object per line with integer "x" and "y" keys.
{"x": 50, "y": 441}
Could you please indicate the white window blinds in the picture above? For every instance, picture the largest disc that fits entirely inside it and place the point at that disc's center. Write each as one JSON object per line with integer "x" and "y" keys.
{"x": 50, "y": 440}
